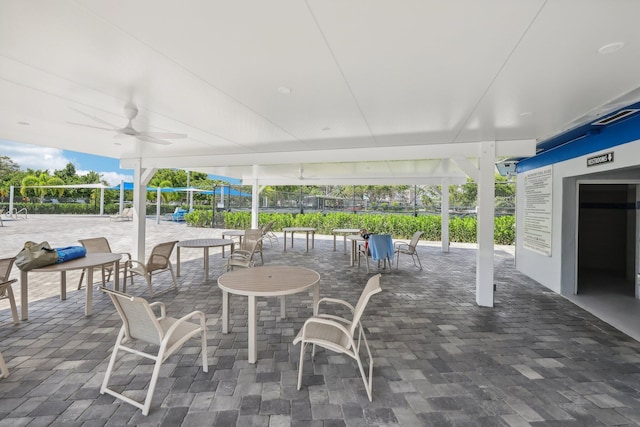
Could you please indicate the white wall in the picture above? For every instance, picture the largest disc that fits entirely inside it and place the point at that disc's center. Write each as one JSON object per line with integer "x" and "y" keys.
{"x": 557, "y": 272}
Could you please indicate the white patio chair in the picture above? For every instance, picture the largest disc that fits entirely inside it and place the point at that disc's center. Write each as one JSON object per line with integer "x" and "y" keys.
{"x": 6, "y": 292}
{"x": 268, "y": 234}
{"x": 408, "y": 248}
{"x": 4, "y": 371}
{"x": 124, "y": 216}
{"x": 339, "y": 334}
{"x": 140, "y": 324}
{"x": 244, "y": 256}
{"x": 100, "y": 245}
{"x": 158, "y": 261}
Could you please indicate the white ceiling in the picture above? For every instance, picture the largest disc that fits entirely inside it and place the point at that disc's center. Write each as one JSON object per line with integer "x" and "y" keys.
{"x": 396, "y": 84}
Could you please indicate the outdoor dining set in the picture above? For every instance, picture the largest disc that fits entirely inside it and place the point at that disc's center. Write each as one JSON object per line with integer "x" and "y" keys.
{"x": 147, "y": 322}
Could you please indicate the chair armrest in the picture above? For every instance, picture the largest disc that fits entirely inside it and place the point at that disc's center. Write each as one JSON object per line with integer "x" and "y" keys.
{"x": 327, "y": 322}
{"x": 400, "y": 243}
{"x": 402, "y": 246}
{"x": 335, "y": 301}
{"x": 160, "y": 304}
{"x": 124, "y": 253}
{"x": 184, "y": 319}
{"x": 135, "y": 266}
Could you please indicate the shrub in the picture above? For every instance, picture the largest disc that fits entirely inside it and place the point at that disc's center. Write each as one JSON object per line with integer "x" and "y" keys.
{"x": 399, "y": 226}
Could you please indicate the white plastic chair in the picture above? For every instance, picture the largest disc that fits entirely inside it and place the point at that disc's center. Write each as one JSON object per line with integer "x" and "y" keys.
{"x": 4, "y": 371}
{"x": 6, "y": 292}
{"x": 339, "y": 334}
{"x": 158, "y": 261}
{"x": 408, "y": 248}
{"x": 140, "y": 324}
{"x": 245, "y": 254}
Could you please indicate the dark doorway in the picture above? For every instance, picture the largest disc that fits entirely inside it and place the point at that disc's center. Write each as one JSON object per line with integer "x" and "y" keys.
{"x": 606, "y": 239}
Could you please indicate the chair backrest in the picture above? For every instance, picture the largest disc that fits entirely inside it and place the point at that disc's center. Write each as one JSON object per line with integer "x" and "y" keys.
{"x": 159, "y": 258}
{"x": 372, "y": 288}
{"x": 252, "y": 238}
{"x": 125, "y": 212}
{"x": 137, "y": 317}
{"x": 414, "y": 240}
{"x": 267, "y": 228}
{"x": 96, "y": 245}
{"x": 5, "y": 268}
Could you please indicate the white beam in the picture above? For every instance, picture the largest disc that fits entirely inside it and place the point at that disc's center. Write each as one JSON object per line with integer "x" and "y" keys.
{"x": 255, "y": 197}
{"x": 469, "y": 168}
{"x": 407, "y": 152}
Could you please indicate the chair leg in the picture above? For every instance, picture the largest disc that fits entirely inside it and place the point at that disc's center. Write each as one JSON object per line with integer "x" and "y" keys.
{"x": 12, "y": 303}
{"x": 303, "y": 347}
{"x": 148, "y": 279}
{"x": 81, "y": 278}
{"x": 418, "y": 258}
{"x": 4, "y": 371}
{"x": 205, "y": 364}
{"x": 112, "y": 362}
{"x": 152, "y": 384}
{"x": 173, "y": 276}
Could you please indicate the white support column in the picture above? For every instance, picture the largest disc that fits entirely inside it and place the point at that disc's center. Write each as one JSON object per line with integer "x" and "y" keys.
{"x": 486, "y": 213}
{"x": 444, "y": 207}
{"x": 444, "y": 215}
{"x": 255, "y": 194}
{"x": 102, "y": 201}
{"x": 141, "y": 178}
{"x": 121, "y": 197}
{"x": 159, "y": 190}
{"x": 11, "y": 193}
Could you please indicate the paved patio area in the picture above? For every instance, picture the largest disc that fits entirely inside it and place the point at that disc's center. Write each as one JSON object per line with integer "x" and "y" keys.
{"x": 534, "y": 359}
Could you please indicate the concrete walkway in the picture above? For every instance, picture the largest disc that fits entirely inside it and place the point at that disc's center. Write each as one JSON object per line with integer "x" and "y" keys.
{"x": 534, "y": 359}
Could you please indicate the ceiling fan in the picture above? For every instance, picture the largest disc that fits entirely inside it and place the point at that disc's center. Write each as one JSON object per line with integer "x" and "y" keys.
{"x": 131, "y": 111}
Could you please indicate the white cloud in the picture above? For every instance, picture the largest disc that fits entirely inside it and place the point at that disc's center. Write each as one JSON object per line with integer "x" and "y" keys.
{"x": 114, "y": 178}
{"x": 34, "y": 157}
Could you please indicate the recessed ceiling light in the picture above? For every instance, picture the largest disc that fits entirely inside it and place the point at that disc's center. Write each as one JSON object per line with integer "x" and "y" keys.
{"x": 326, "y": 128}
{"x": 117, "y": 143}
{"x": 24, "y": 123}
{"x": 284, "y": 90}
{"x": 610, "y": 48}
{"x": 526, "y": 114}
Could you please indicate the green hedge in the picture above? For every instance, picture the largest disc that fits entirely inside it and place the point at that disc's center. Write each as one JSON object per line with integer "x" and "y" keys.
{"x": 399, "y": 226}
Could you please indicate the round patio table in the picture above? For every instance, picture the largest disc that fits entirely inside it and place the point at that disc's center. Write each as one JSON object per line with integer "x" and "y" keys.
{"x": 88, "y": 262}
{"x": 202, "y": 243}
{"x": 265, "y": 281}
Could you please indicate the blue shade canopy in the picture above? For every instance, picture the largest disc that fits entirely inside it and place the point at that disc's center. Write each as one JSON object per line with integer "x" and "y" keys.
{"x": 128, "y": 186}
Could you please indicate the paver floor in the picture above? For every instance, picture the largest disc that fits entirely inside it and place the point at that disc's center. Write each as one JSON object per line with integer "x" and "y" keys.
{"x": 534, "y": 359}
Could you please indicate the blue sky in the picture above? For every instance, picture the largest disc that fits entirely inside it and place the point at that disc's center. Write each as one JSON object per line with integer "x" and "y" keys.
{"x": 38, "y": 157}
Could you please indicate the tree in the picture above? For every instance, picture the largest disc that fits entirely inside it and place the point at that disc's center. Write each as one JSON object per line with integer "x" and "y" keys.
{"x": 43, "y": 179}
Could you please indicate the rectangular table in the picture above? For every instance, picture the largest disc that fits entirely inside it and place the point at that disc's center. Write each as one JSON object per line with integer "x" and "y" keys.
{"x": 345, "y": 232}
{"x": 307, "y": 230}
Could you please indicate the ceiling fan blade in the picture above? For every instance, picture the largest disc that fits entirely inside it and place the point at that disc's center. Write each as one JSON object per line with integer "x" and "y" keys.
{"x": 152, "y": 139}
{"x": 97, "y": 119}
{"x": 91, "y": 126}
{"x": 167, "y": 135}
